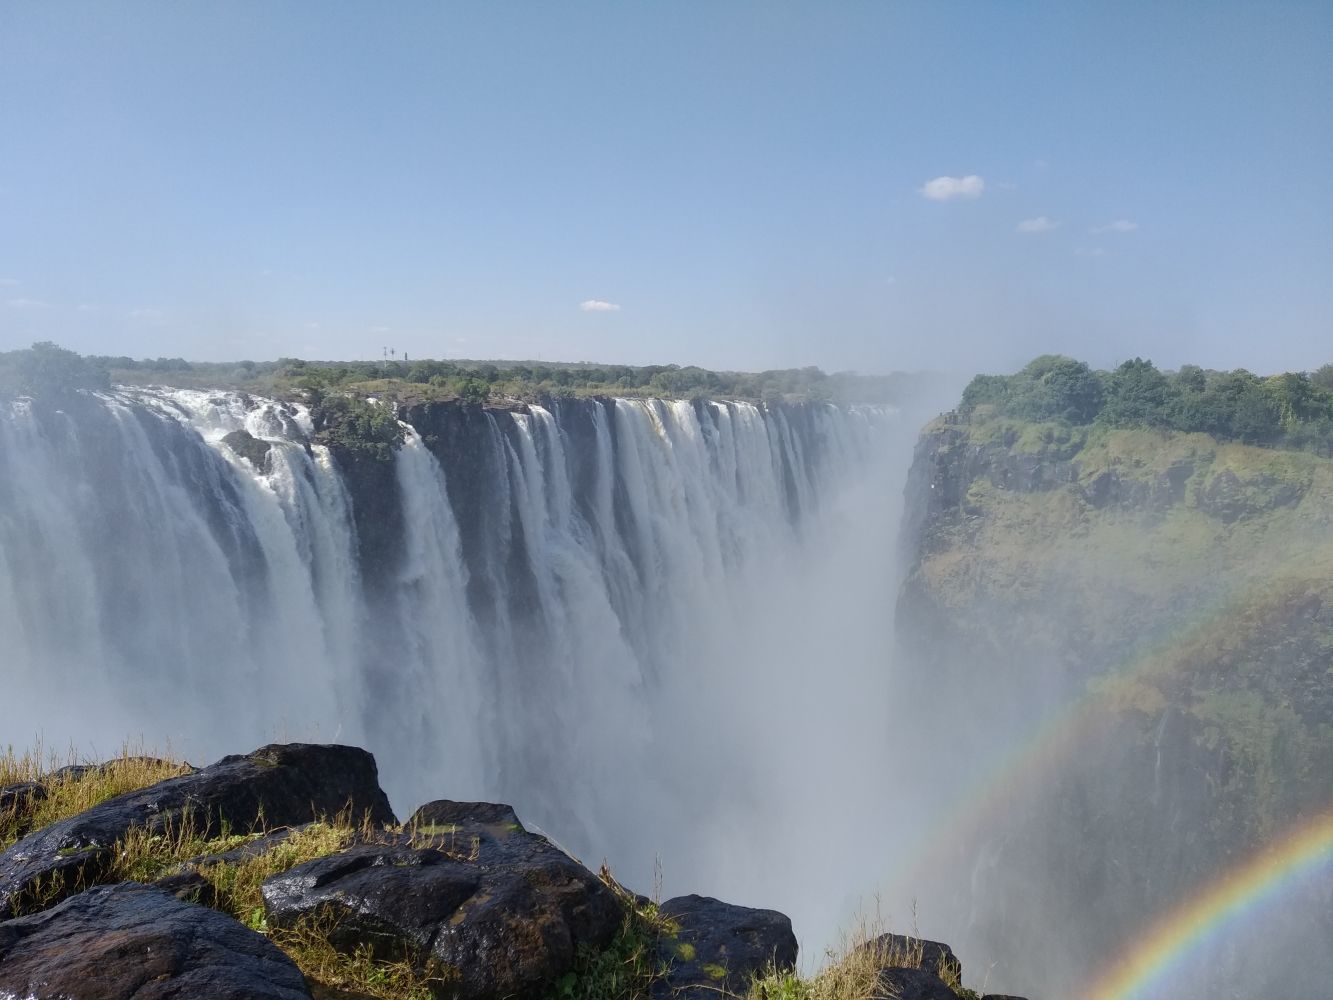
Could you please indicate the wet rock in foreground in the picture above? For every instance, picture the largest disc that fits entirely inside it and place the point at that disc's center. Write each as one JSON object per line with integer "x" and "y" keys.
{"x": 125, "y": 941}
{"x": 277, "y": 785}
{"x": 719, "y": 947}
{"x": 490, "y": 909}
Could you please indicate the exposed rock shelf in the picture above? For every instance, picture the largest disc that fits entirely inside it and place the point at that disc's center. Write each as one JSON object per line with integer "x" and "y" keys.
{"x": 463, "y": 897}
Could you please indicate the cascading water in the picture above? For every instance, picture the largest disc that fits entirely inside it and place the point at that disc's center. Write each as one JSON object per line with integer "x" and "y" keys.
{"x": 660, "y": 629}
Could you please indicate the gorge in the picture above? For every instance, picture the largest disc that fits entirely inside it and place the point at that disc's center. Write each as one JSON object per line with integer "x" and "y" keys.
{"x": 1022, "y": 681}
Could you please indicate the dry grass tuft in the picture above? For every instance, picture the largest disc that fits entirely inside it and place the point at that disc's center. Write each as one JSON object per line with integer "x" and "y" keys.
{"x": 237, "y": 890}
{"x": 361, "y": 973}
{"x": 179, "y": 846}
{"x": 76, "y": 789}
{"x": 238, "y": 885}
{"x": 852, "y": 971}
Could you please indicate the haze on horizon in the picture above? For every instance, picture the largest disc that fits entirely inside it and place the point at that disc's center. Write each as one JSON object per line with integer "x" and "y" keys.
{"x": 740, "y": 186}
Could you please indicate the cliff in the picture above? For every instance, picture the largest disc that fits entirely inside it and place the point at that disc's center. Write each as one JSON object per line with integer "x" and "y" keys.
{"x": 1148, "y": 616}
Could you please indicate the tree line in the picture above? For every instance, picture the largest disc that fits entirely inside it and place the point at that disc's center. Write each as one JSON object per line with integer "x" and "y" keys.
{"x": 1293, "y": 409}
{"x": 46, "y": 368}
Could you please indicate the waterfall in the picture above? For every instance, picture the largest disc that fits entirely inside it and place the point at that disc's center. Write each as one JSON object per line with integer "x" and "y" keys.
{"x": 642, "y": 622}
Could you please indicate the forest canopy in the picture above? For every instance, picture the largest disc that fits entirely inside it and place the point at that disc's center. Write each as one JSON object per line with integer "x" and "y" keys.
{"x": 1293, "y": 409}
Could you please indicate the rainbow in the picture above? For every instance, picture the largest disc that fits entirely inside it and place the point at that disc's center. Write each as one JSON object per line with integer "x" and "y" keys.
{"x": 1031, "y": 760}
{"x": 1175, "y": 935}
{"x": 1043, "y": 749}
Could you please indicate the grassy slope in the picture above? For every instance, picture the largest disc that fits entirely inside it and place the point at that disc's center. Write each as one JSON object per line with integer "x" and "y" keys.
{"x": 1156, "y": 607}
{"x": 1167, "y": 567}
{"x": 1199, "y": 642}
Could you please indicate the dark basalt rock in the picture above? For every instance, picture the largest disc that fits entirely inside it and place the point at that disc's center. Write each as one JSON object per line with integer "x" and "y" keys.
{"x": 254, "y": 450}
{"x": 912, "y": 984}
{"x": 445, "y": 812}
{"x": 275, "y": 785}
{"x": 132, "y": 941}
{"x": 492, "y": 909}
{"x": 19, "y": 797}
{"x": 720, "y": 947}
{"x": 895, "y": 950}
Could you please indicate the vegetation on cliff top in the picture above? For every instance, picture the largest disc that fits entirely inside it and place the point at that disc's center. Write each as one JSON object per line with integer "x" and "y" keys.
{"x": 47, "y": 368}
{"x": 1293, "y": 409}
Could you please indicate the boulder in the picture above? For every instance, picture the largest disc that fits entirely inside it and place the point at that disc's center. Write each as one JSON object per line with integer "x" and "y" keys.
{"x": 719, "y": 947}
{"x": 15, "y": 801}
{"x": 277, "y": 785}
{"x": 448, "y": 813}
{"x": 912, "y": 984}
{"x": 490, "y": 909}
{"x": 12, "y": 796}
{"x": 254, "y": 450}
{"x": 1002, "y": 996}
{"x": 901, "y": 951}
{"x": 132, "y": 941}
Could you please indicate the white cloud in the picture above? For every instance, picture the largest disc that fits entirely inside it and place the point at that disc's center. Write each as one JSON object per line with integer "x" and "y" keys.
{"x": 9, "y": 282}
{"x": 28, "y": 304}
{"x": 1089, "y": 251}
{"x": 598, "y": 306}
{"x": 1041, "y": 224}
{"x": 1119, "y": 226}
{"x": 949, "y": 188}
{"x": 379, "y": 329}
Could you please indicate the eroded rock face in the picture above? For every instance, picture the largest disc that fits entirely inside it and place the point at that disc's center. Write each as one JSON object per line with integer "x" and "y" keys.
{"x": 500, "y": 912}
{"x": 720, "y": 947}
{"x": 132, "y": 941}
{"x": 277, "y": 785}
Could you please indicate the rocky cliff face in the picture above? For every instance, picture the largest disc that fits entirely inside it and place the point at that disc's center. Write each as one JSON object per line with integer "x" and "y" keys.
{"x": 1141, "y": 623}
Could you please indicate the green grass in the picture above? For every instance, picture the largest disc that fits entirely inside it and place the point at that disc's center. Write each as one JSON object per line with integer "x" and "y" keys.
{"x": 629, "y": 967}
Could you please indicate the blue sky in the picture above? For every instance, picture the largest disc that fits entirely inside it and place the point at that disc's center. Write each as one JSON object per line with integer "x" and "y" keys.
{"x": 749, "y": 183}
